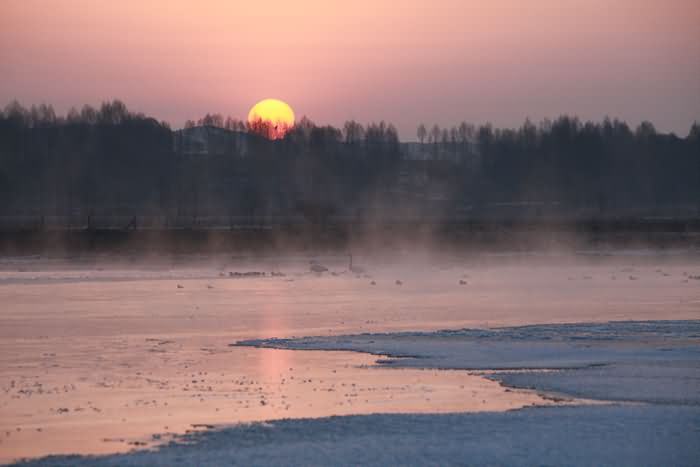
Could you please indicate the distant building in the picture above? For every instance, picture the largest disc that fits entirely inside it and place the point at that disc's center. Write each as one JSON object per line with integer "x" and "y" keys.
{"x": 210, "y": 141}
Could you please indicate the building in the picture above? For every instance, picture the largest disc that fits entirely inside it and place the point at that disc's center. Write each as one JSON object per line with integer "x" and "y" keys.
{"x": 210, "y": 141}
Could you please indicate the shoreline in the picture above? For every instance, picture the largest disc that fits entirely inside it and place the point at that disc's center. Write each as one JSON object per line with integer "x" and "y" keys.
{"x": 124, "y": 344}
{"x": 424, "y": 362}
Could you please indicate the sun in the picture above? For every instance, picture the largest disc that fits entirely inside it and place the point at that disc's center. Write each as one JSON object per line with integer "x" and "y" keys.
{"x": 271, "y": 118}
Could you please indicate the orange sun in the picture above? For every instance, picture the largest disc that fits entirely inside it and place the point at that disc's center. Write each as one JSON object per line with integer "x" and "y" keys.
{"x": 271, "y": 118}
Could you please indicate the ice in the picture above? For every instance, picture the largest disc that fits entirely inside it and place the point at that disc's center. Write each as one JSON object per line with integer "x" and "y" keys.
{"x": 122, "y": 336}
{"x": 654, "y": 364}
{"x": 640, "y": 361}
{"x": 603, "y": 435}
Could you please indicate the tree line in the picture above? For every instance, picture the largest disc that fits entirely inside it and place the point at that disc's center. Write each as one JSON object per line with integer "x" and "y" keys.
{"x": 109, "y": 166}
{"x": 604, "y": 164}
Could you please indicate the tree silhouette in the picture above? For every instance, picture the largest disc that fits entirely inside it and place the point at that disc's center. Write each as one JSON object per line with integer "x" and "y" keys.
{"x": 268, "y": 129}
{"x": 421, "y": 133}
{"x": 104, "y": 167}
{"x": 353, "y": 132}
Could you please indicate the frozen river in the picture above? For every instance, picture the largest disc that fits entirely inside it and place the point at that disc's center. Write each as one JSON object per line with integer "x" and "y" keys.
{"x": 110, "y": 356}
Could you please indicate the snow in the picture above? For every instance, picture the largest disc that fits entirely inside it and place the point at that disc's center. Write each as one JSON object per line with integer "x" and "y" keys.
{"x": 639, "y": 361}
{"x": 651, "y": 367}
{"x": 595, "y": 435}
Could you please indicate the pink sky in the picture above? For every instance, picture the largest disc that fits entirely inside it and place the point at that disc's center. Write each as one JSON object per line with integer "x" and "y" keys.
{"x": 438, "y": 61}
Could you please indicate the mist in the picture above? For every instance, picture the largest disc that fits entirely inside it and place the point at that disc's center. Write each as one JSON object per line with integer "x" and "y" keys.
{"x": 110, "y": 172}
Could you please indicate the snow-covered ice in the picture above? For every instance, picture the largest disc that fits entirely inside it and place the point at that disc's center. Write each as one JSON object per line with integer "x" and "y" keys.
{"x": 653, "y": 366}
{"x": 639, "y": 361}
{"x": 595, "y": 435}
{"x": 98, "y": 360}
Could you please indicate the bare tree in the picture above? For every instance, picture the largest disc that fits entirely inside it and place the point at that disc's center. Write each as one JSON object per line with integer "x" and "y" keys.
{"x": 233, "y": 124}
{"x": 268, "y": 129}
{"x": 353, "y": 132}
{"x": 88, "y": 115}
{"x": 694, "y": 133}
{"x": 73, "y": 116}
{"x": 230, "y": 123}
{"x": 215, "y": 120}
{"x": 434, "y": 134}
{"x": 421, "y": 133}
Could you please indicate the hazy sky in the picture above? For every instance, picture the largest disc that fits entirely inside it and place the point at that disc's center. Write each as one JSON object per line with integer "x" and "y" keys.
{"x": 402, "y": 61}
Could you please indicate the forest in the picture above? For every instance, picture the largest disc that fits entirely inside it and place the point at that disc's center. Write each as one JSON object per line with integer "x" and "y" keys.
{"x": 110, "y": 168}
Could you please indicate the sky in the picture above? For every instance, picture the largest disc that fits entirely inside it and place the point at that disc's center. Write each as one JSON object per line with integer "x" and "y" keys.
{"x": 406, "y": 62}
